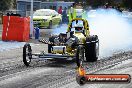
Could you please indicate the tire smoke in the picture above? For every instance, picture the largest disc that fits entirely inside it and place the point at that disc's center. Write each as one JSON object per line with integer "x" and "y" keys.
{"x": 114, "y": 31}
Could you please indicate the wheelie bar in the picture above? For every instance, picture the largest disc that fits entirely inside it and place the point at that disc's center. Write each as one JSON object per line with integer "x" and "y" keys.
{"x": 83, "y": 78}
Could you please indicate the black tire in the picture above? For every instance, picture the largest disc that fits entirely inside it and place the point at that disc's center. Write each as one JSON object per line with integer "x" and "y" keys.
{"x": 81, "y": 80}
{"x": 49, "y": 48}
{"x": 27, "y": 54}
{"x": 92, "y": 48}
{"x": 50, "y": 25}
{"x": 51, "y": 39}
{"x": 80, "y": 56}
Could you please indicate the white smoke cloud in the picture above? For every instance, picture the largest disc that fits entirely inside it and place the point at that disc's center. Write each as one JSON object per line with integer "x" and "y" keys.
{"x": 114, "y": 31}
{"x": 61, "y": 29}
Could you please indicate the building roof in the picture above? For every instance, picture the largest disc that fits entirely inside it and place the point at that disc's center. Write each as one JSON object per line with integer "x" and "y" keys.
{"x": 58, "y": 2}
{"x": 27, "y": 1}
{"x": 43, "y": 2}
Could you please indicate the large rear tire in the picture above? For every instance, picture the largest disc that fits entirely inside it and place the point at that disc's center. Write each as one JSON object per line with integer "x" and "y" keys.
{"x": 27, "y": 54}
{"x": 92, "y": 48}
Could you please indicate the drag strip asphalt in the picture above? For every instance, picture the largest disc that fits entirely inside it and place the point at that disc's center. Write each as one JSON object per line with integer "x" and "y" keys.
{"x": 48, "y": 74}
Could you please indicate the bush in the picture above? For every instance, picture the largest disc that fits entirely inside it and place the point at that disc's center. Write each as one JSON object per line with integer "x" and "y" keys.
{"x": 1, "y": 18}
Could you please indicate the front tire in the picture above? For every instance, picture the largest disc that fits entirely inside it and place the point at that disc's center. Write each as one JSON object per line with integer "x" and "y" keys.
{"x": 81, "y": 80}
{"x": 92, "y": 48}
{"x": 27, "y": 54}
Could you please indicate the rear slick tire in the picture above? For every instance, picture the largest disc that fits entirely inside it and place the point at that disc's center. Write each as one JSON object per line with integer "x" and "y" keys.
{"x": 92, "y": 48}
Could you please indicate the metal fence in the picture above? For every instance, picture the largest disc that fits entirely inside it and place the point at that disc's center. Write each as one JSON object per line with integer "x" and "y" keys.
{"x": 28, "y": 13}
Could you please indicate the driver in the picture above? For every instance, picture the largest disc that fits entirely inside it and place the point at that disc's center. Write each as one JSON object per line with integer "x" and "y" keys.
{"x": 79, "y": 28}
{"x": 76, "y": 26}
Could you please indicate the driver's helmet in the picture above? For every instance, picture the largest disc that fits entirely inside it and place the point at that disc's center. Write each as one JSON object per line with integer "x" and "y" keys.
{"x": 79, "y": 28}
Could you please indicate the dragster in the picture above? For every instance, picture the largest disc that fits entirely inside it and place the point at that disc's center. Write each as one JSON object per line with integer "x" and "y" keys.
{"x": 76, "y": 43}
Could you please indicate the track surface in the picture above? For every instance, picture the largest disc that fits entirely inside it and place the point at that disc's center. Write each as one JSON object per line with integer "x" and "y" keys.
{"x": 49, "y": 74}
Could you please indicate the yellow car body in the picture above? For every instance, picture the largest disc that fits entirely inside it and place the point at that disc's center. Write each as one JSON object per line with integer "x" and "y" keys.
{"x": 46, "y": 18}
{"x": 79, "y": 35}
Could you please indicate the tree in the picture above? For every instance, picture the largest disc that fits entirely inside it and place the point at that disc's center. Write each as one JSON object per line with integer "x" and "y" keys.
{"x": 127, "y": 3}
{"x": 4, "y": 5}
{"x": 14, "y": 3}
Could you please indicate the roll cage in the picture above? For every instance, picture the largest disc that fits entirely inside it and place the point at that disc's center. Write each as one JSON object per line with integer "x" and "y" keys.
{"x": 85, "y": 25}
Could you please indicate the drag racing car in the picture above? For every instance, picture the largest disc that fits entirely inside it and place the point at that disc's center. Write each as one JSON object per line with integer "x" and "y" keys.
{"x": 76, "y": 43}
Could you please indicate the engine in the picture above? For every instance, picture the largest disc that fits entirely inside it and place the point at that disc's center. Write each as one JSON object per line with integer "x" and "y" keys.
{"x": 59, "y": 49}
{"x": 70, "y": 42}
{"x": 64, "y": 43}
{"x": 61, "y": 39}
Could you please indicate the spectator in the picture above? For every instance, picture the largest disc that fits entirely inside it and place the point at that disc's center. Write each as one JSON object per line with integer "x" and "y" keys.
{"x": 64, "y": 16}
{"x": 72, "y": 12}
{"x": 60, "y": 10}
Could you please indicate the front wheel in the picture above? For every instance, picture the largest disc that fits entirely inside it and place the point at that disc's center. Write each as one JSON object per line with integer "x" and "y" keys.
{"x": 81, "y": 80}
{"x": 27, "y": 54}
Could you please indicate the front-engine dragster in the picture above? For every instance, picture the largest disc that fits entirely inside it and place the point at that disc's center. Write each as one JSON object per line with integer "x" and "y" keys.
{"x": 76, "y": 43}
